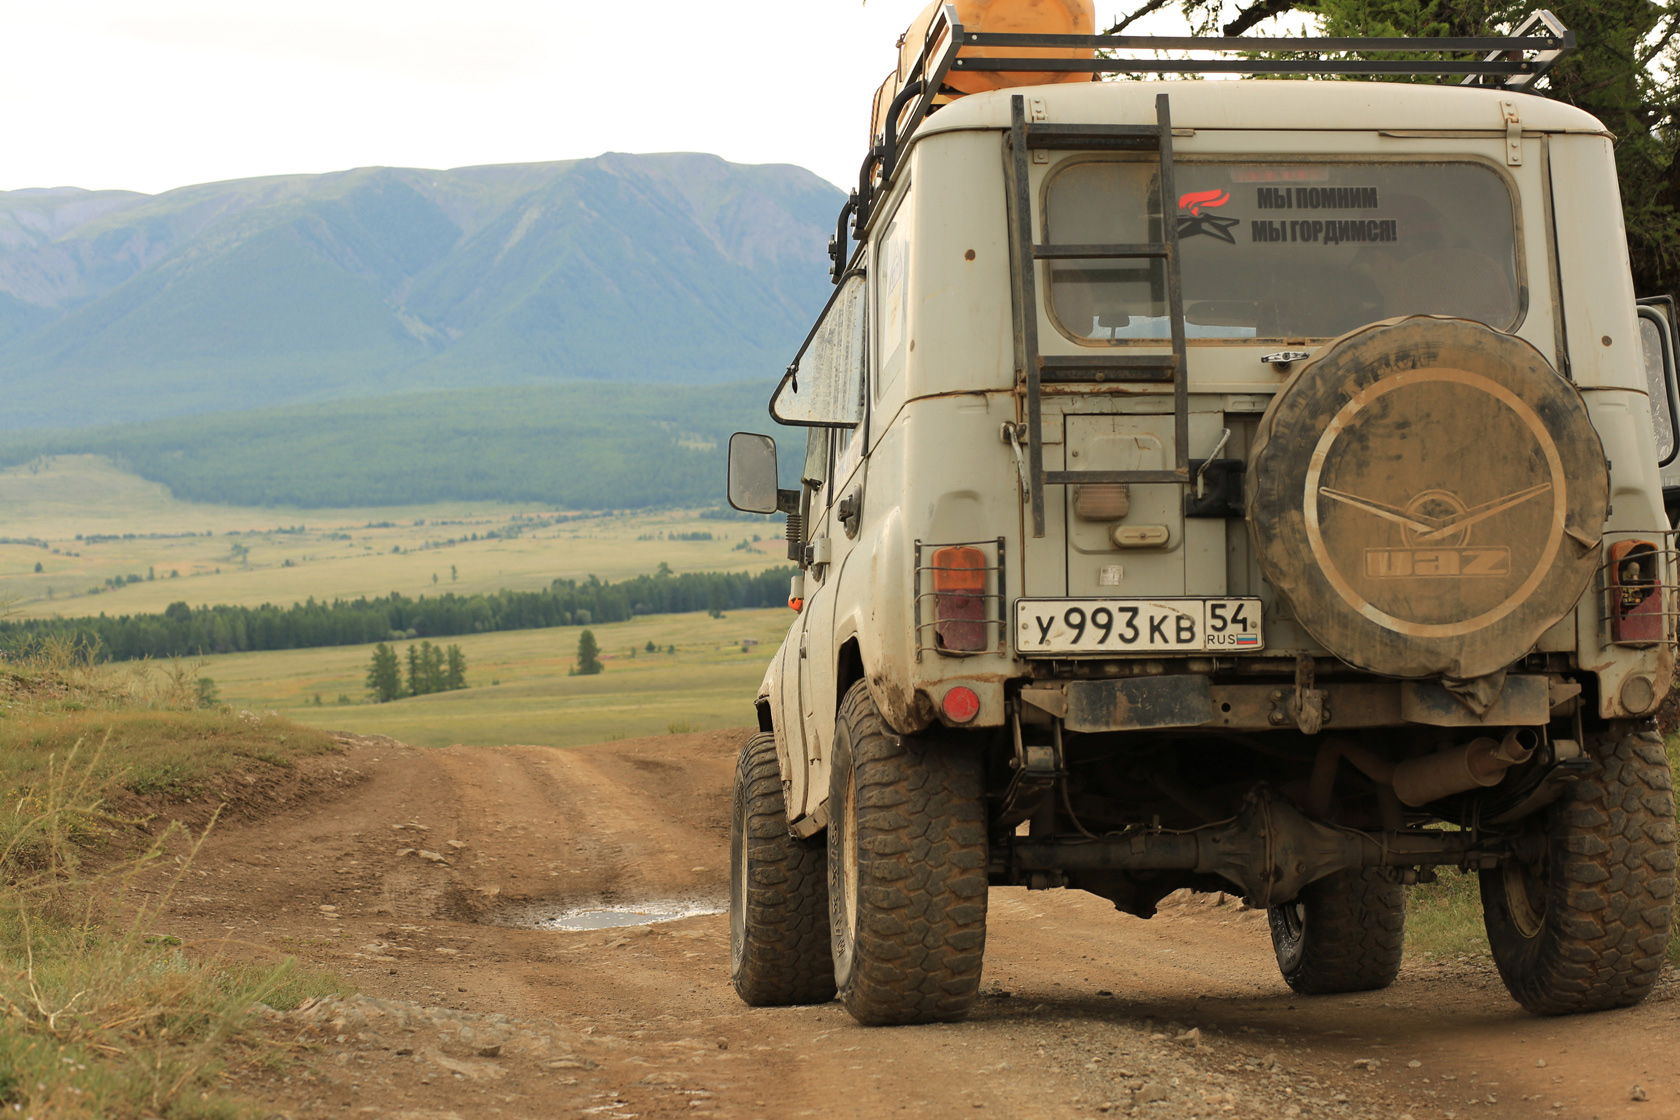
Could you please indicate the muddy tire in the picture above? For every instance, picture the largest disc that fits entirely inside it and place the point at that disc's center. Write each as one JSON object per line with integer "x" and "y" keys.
{"x": 1586, "y": 927}
{"x": 1345, "y": 933}
{"x": 907, "y": 870}
{"x": 778, "y": 892}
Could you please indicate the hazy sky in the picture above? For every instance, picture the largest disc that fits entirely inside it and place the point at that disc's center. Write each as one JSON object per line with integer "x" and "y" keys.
{"x": 161, "y": 93}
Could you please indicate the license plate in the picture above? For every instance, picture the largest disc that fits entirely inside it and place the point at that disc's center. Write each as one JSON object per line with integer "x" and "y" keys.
{"x": 1118, "y": 626}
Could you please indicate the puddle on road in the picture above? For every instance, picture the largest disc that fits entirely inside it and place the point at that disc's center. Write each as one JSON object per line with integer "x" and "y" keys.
{"x": 609, "y": 917}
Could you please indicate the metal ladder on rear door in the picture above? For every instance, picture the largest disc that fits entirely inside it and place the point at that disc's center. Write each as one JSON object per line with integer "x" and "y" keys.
{"x": 1036, "y": 369}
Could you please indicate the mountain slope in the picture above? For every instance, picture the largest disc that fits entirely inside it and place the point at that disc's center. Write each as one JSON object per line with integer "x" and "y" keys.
{"x": 669, "y": 268}
{"x": 578, "y": 445}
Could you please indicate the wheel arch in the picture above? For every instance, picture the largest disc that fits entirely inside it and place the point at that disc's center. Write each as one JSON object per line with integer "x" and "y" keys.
{"x": 848, "y": 668}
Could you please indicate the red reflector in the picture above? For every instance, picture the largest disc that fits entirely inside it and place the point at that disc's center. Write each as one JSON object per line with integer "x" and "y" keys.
{"x": 959, "y": 569}
{"x": 796, "y": 604}
{"x": 961, "y": 704}
{"x": 1636, "y": 593}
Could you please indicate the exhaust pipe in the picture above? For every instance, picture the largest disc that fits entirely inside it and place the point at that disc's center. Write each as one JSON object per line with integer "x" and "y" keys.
{"x": 1479, "y": 763}
{"x": 1418, "y": 781}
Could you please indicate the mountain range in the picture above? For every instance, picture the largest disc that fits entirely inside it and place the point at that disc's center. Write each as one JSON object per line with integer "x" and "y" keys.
{"x": 646, "y": 269}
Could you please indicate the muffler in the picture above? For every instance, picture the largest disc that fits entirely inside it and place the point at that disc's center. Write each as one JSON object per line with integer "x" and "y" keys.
{"x": 1418, "y": 781}
{"x": 1478, "y": 763}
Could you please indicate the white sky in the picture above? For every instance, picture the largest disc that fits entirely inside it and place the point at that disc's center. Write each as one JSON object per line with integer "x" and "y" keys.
{"x": 156, "y": 94}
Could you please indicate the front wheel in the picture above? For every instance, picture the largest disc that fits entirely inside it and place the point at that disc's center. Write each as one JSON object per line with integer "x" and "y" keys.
{"x": 907, "y": 870}
{"x": 1584, "y": 926}
{"x": 1345, "y": 933}
{"x": 778, "y": 892}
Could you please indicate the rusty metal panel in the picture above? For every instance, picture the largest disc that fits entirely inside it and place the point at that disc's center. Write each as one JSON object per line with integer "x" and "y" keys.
{"x": 1524, "y": 702}
{"x": 1346, "y": 706}
{"x": 1138, "y": 704}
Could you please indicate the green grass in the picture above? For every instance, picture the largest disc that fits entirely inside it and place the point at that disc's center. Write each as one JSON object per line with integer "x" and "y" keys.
{"x": 1444, "y": 918}
{"x": 519, "y": 690}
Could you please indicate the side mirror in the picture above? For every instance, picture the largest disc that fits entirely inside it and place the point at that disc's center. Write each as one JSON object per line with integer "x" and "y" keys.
{"x": 1657, "y": 341}
{"x": 823, "y": 387}
{"x": 752, "y": 473}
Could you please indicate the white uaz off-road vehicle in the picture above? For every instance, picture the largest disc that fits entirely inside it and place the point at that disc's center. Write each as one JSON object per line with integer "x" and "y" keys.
{"x": 1241, "y": 486}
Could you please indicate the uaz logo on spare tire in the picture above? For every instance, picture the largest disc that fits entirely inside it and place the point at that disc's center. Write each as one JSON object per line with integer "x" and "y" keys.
{"x": 1429, "y": 495}
{"x": 1437, "y": 527}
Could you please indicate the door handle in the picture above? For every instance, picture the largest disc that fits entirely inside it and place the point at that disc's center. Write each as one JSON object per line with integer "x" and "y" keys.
{"x": 851, "y": 507}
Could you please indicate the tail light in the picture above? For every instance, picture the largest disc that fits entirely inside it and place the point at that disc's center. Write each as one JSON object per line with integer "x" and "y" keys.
{"x": 959, "y": 587}
{"x": 1636, "y": 592}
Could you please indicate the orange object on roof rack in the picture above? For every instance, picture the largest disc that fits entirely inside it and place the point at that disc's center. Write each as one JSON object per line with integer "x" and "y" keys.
{"x": 1022, "y": 17}
{"x": 1003, "y": 17}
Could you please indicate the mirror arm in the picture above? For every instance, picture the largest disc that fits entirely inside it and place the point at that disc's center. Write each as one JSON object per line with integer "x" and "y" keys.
{"x": 787, "y": 501}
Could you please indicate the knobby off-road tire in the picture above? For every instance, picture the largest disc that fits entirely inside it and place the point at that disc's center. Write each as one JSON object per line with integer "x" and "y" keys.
{"x": 907, "y": 870}
{"x": 1586, "y": 927}
{"x": 778, "y": 892}
{"x": 1345, "y": 933}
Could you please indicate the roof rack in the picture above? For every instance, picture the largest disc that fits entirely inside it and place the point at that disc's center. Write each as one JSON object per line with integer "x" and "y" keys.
{"x": 1505, "y": 64}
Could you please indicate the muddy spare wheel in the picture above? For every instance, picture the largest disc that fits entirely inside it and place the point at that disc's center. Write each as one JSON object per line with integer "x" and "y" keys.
{"x": 1429, "y": 496}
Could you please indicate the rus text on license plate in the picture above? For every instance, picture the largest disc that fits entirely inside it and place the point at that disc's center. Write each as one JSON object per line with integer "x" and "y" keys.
{"x": 1097, "y": 626}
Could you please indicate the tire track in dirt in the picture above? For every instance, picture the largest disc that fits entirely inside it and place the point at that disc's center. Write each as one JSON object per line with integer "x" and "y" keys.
{"x": 1084, "y": 1008}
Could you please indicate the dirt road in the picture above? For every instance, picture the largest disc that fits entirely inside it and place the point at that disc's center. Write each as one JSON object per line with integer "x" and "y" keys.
{"x": 420, "y": 875}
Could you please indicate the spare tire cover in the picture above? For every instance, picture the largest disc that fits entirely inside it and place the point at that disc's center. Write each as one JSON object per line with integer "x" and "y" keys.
{"x": 1429, "y": 496}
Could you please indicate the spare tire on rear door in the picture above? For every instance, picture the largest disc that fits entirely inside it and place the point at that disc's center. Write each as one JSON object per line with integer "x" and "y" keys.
{"x": 1429, "y": 495}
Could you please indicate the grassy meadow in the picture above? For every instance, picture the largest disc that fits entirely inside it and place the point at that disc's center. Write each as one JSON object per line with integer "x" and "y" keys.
{"x": 518, "y": 687}
{"x": 248, "y": 556}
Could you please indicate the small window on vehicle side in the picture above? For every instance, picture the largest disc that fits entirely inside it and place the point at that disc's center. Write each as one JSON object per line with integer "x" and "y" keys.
{"x": 892, "y": 298}
{"x": 1656, "y": 343}
{"x": 824, "y": 386}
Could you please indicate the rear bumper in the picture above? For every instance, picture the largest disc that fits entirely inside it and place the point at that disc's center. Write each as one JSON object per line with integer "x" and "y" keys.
{"x": 1145, "y": 703}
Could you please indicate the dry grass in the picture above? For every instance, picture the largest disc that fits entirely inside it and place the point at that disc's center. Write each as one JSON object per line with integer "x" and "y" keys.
{"x": 97, "y": 524}
{"x": 101, "y": 1012}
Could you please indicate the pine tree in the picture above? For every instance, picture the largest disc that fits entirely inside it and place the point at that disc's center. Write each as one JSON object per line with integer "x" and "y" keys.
{"x": 384, "y": 679}
{"x": 431, "y": 663}
{"x": 455, "y": 676}
{"x": 588, "y": 655}
{"x": 416, "y": 673}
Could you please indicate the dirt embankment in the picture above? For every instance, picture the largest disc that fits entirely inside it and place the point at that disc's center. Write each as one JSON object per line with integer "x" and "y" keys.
{"x": 420, "y": 876}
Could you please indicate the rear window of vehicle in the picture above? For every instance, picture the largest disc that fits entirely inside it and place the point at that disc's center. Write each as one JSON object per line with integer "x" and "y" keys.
{"x": 1279, "y": 251}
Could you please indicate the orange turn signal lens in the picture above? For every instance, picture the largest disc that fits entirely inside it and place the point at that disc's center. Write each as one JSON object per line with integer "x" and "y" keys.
{"x": 959, "y": 568}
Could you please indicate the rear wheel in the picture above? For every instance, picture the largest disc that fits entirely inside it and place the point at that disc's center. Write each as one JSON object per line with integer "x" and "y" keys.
{"x": 907, "y": 870}
{"x": 1345, "y": 933}
{"x": 1584, "y": 926}
{"x": 778, "y": 892}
